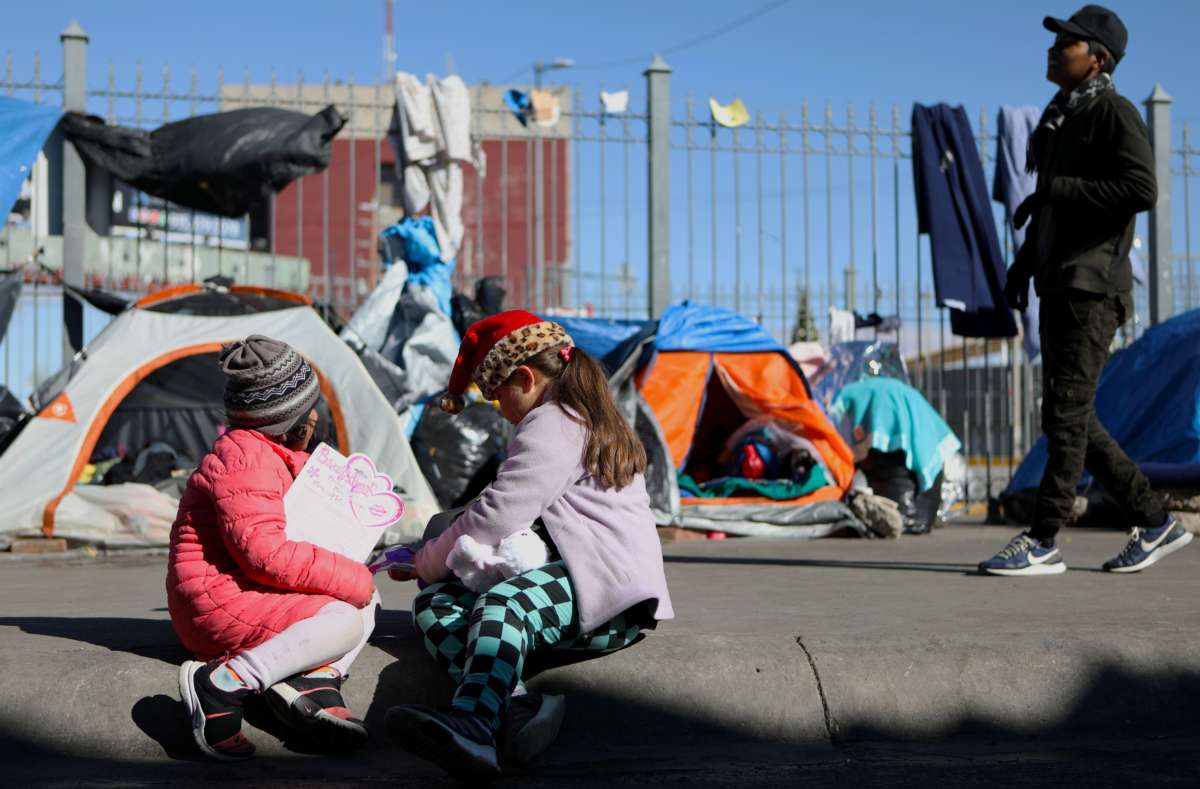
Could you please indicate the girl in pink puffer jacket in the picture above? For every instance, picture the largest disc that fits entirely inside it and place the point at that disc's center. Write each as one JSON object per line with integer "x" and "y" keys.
{"x": 270, "y": 615}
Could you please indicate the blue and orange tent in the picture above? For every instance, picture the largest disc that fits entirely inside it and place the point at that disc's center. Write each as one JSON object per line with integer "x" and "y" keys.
{"x": 695, "y": 377}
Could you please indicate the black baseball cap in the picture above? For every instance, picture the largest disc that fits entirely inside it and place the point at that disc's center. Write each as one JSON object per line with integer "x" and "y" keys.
{"x": 1093, "y": 23}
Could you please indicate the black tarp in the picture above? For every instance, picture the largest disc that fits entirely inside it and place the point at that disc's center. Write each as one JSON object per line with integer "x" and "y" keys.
{"x": 102, "y": 300}
{"x": 225, "y": 163}
{"x": 10, "y": 292}
{"x": 12, "y": 416}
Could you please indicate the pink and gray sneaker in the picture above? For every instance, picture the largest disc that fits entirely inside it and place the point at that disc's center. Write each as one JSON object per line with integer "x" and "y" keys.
{"x": 313, "y": 704}
{"x": 215, "y": 709}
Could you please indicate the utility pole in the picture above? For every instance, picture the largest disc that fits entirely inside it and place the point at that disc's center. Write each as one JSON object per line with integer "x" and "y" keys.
{"x": 74, "y": 211}
{"x": 539, "y": 190}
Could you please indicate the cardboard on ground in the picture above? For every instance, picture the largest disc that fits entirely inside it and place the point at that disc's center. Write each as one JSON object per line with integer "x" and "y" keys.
{"x": 342, "y": 504}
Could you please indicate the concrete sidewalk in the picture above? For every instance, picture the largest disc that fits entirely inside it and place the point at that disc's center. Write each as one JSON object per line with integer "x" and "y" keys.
{"x": 804, "y": 645}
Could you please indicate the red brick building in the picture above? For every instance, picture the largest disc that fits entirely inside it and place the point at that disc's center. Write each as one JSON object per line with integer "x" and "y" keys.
{"x": 333, "y": 218}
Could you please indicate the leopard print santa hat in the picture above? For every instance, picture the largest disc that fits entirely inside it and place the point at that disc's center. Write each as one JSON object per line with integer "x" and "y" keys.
{"x": 493, "y": 348}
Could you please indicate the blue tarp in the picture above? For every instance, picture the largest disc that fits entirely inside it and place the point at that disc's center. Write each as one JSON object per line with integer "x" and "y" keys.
{"x": 608, "y": 340}
{"x": 414, "y": 241}
{"x": 24, "y": 127}
{"x": 697, "y": 327}
{"x": 888, "y": 415}
{"x": 1148, "y": 400}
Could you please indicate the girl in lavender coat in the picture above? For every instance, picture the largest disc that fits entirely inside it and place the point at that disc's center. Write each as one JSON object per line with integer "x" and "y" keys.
{"x": 575, "y": 469}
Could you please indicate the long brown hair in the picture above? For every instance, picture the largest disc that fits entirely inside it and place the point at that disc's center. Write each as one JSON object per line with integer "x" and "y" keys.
{"x": 613, "y": 454}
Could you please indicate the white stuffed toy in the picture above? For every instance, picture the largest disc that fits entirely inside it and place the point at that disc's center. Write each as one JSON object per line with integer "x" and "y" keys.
{"x": 480, "y": 567}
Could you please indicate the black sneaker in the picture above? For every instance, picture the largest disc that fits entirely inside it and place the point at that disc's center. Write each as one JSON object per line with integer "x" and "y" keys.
{"x": 314, "y": 705}
{"x": 215, "y": 714}
{"x": 531, "y": 725}
{"x": 461, "y": 743}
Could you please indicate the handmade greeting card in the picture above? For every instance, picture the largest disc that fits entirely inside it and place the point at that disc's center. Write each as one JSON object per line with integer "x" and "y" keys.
{"x": 341, "y": 503}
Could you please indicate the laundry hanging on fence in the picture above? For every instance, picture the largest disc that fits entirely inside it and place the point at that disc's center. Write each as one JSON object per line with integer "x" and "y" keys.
{"x": 225, "y": 163}
{"x": 24, "y": 127}
{"x": 519, "y": 104}
{"x": 1012, "y": 184}
{"x": 729, "y": 115}
{"x": 841, "y": 325}
{"x": 953, "y": 208}
{"x": 546, "y": 108}
{"x": 614, "y": 103}
{"x": 431, "y": 134}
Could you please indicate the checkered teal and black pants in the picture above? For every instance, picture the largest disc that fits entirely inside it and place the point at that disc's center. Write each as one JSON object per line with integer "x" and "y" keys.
{"x": 482, "y": 639}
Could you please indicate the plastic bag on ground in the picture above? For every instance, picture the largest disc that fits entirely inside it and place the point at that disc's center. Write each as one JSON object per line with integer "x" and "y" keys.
{"x": 460, "y": 454}
{"x": 888, "y": 476}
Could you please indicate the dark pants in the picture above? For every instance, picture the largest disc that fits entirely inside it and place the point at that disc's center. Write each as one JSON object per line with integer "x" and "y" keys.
{"x": 1076, "y": 331}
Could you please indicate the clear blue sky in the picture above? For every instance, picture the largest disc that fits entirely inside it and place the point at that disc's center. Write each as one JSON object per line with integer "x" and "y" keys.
{"x": 977, "y": 54}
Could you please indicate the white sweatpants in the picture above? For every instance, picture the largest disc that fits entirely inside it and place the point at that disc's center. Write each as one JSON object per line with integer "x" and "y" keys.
{"x": 334, "y": 636}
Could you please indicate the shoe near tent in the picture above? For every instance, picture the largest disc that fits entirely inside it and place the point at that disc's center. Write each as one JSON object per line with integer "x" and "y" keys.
{"x": 1148, "y": 399}
{"x": 693, "y": 379}
{"x": 152, "y": 374}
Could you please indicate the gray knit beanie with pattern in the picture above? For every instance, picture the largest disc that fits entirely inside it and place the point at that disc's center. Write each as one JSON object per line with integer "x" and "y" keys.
{"x": 269, "y": 387}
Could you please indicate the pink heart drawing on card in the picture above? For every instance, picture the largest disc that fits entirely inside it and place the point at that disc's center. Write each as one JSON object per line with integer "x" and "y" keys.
{"x": 371, "y": 498}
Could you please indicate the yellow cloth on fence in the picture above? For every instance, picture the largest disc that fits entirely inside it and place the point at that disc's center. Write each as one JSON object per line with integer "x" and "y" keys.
{"x": 730, "y": 115}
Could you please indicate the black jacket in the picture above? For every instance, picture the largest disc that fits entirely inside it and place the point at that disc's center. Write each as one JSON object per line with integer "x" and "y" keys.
{"x": 1097, "y": 172}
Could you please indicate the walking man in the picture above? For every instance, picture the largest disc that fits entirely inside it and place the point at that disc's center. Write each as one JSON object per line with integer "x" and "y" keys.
{"x": 1095, "y": 172}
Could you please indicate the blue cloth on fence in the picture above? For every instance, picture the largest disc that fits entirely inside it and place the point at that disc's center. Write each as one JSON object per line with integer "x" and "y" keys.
{"x": 954, "y": 209}
{"x": 24, "y": 127}
{"x": 1148, "y": 400}
{"x": 1012, "y": 184}
{"x": 418, "y": 247}
{"x": 519, "y": 103}
{"x": 888, "y": 415}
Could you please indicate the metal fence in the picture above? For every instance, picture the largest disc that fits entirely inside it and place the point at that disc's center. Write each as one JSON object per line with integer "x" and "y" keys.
{"x": 598, "y": 213}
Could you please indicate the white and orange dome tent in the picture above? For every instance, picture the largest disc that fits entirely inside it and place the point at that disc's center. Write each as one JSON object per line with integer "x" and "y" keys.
{"x": 151, "y": 375}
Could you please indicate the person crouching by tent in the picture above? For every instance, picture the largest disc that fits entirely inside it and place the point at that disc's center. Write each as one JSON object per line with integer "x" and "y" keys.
{"x": 269, "y": 615}
{"x": 575, "y": 472}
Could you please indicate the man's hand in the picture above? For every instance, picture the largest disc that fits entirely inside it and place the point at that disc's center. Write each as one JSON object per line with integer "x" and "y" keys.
{"x": 1026, "y": 208}
{"x": 1016, "y": 289}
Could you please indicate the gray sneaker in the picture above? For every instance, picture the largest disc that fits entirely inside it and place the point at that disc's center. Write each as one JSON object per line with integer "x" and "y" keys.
{"x": 531, "y": 725}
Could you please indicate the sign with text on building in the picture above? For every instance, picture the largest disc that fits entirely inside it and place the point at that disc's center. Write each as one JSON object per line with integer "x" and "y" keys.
{"x": 136, "y": 213}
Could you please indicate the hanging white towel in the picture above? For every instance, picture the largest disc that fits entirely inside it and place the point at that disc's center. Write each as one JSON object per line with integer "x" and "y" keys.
{"x": 415, "y": 102}
{"x": 435, "y": 124}
{"x": 446, "y": 185}
{"x": 841, "y": 326}
{"x": 616, "y": 102}
{"x": 452, "y": 104}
